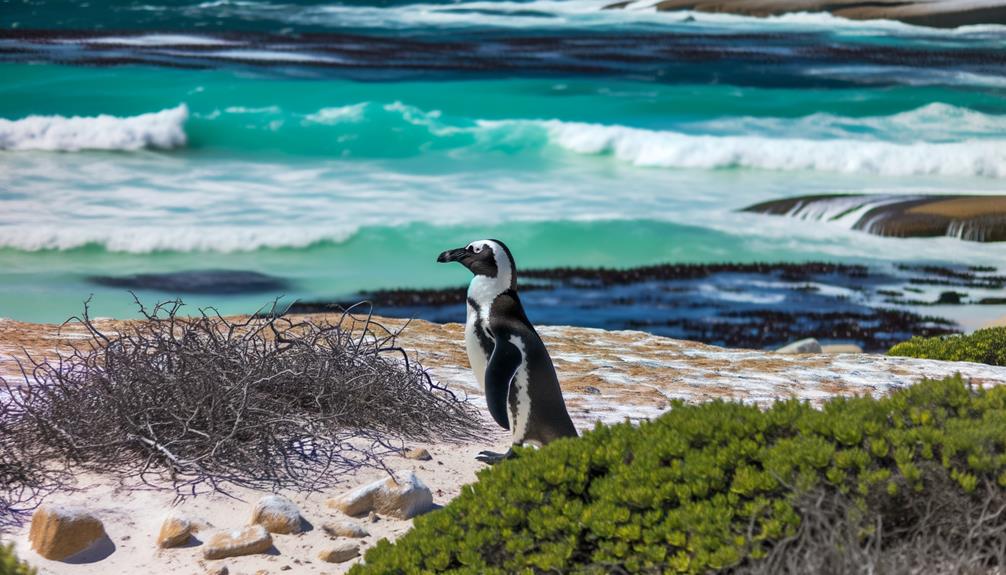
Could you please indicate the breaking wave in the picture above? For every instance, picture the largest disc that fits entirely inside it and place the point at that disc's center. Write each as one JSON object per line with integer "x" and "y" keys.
{"x": 670, "y": 149}
{"x": 157, "y": 130}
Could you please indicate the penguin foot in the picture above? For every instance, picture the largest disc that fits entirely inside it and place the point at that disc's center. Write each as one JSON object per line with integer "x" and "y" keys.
{"x": 492, "y": 458}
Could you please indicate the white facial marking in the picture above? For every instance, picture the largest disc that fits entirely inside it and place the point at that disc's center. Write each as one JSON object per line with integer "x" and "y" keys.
{"x": 484, "y": 289}
{"x": 521, "y": 415}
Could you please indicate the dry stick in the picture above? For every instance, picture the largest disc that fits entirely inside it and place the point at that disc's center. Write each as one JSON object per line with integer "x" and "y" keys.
{"x": 213, "y": 402}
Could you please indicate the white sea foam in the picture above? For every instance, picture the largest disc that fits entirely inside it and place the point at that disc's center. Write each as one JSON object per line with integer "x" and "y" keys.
{"x": 562, "y": 13}
{"x": 911, "y": 76}
{"x": 246, "y": 110}
{"x": 338, "y": 115}
{"x": 261, "y": 56}
{"x": 164, "y": 129}
{"x": 158, "y": 40}
{"x": 933, "y": 122}
{"x": 641, "y": 147}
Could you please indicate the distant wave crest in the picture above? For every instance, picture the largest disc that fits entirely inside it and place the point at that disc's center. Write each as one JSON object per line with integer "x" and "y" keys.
{"x": 157, "y": 130}
{"x": 668, "y": 149}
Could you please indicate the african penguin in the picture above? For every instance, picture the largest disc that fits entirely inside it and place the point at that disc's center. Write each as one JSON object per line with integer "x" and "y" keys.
{"x": 507, "y": 355}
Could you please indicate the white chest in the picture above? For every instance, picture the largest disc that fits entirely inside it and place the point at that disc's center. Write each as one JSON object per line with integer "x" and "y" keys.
{"x": 477, "y": 355}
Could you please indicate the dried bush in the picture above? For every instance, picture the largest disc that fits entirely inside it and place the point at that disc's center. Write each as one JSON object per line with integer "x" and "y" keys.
{"x": 210, "y": 401}
{"x": 940, "y": 530}
{"x": 24, "y": 477}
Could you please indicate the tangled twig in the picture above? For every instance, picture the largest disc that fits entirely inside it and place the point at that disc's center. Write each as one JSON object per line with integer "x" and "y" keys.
{"x": 264, "y": 401}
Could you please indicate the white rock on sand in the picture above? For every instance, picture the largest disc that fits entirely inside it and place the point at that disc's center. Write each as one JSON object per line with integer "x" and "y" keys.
{"x": 175, "y": 531}
{"x": 247, "y": 540}
{"x": 403, "y": 496}
{"x": 345, "y": 528}
{"x": 59, "y": 532}
{"x": 277, "y": 514}
{"x": 339, "y": 552}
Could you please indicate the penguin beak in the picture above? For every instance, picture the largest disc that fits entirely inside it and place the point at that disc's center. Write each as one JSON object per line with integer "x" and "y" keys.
{"x": 452, "y": 255}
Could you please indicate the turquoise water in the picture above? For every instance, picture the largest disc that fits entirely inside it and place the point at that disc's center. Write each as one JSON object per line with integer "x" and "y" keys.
{"x": 342, "y": 146}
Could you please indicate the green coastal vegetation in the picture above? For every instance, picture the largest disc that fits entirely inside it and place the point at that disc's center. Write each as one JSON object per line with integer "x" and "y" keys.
{"x": 983, "y": 346}
{"x": 10, "y": 565}
{"x": 723, "y": 486}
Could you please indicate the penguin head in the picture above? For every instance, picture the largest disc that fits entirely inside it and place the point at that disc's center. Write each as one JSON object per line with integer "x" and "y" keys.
{"x": 486, "y": 259}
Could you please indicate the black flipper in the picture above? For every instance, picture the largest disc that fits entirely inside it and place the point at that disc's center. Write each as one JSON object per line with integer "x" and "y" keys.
{"x": 503, "y": 364}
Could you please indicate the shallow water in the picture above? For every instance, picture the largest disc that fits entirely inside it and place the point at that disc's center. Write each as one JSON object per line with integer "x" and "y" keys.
{"x": 341, "y": 146}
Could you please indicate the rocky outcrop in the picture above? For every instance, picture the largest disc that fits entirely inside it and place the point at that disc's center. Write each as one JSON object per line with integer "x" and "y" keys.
{"x": 247, "y": 540}
{"x": 59, "y": 532}
{"x": 403, "y": 496}
{"x": 277, "y": 514}
{"x": 934, "y": 13}
{"x": 971, "y": 218}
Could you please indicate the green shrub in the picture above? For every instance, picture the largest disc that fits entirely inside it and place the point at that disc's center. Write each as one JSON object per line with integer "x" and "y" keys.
{"x": 9, "y": 564}
{"x": 706, "y": 487}
{"x": 983, "y": 346}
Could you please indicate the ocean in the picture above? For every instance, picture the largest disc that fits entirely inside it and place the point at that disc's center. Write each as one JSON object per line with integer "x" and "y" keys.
{"x": 340, "y": 146}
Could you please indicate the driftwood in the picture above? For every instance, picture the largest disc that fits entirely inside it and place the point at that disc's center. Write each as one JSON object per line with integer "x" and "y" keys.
{"x": 207, "y": 402}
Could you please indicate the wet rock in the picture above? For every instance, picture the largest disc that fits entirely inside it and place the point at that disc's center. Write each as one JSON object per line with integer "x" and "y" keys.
{"x": 59, "y": 532}
{"x": 175, "y": 531}
{"x": 403, "y": 496}
{"x": 418, "y": 453}
{"x": 339, "y": 552}
{"x": 809, "y": 345}
{"x": 247, "y": 540}
{"x": 198, "y": 281}
{"x": 949, "y": 298}
{"x": 277, "y": 514}
{"x": 345, "y": 529}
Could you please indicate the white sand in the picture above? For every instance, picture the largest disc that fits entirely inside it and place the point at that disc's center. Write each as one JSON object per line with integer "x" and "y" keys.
{"x": 606, "y": 376}
{"x": 133, "y": 518}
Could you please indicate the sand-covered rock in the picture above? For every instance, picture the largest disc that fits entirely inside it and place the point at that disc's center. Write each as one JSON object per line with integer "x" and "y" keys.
{"x": 339, "y": 552}
{"x": 247, "y": 540}
{"x": 841, "y": 348}
{"x": 809, "y": 345}
{"x": 277, "y": 514}
{"x": 218, "y": 570}
{"x": 344, "y": 528}
{"x": 403, "y": 496}
{"x": 419, "y": 454}
{"x": 175, "y": 531}
{"x": 59, "y": 532}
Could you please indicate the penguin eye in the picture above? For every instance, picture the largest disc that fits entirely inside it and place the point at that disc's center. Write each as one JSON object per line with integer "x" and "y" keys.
{"x": 476, "y": 249}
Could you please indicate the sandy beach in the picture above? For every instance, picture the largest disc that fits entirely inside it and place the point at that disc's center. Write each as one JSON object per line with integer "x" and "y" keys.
{"x": 606, "y": 377}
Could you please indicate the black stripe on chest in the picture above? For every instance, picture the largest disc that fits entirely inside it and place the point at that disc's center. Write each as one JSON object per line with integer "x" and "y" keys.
{"x": 484, "y": 336}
